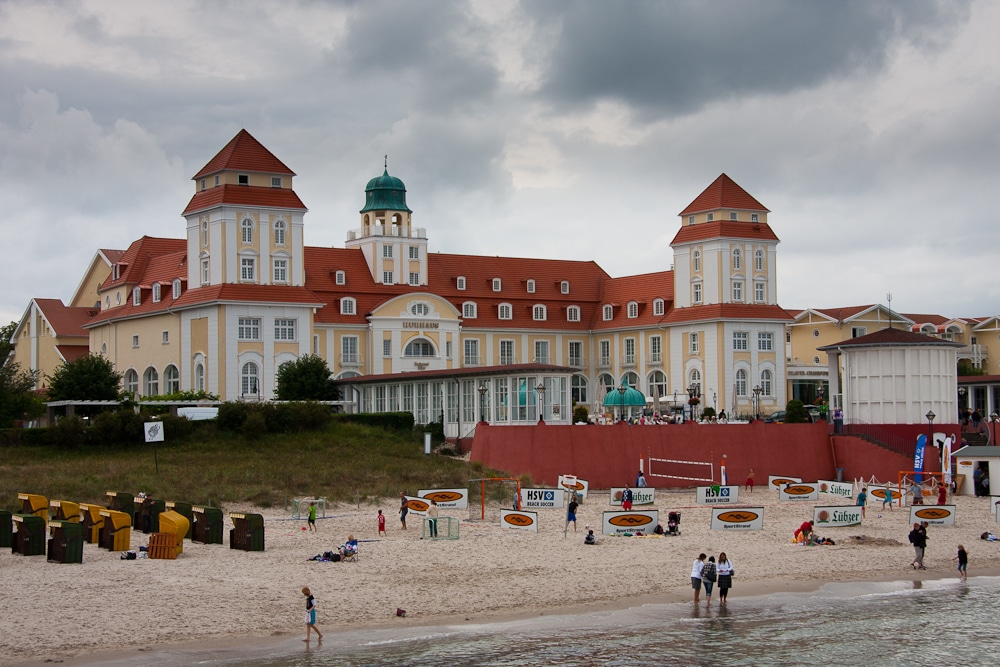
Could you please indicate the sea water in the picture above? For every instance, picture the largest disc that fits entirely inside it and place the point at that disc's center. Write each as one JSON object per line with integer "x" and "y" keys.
{"x": 943, "y": 622}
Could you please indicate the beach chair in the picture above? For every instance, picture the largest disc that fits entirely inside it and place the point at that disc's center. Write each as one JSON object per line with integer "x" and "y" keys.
{"x": 351, "y": 556}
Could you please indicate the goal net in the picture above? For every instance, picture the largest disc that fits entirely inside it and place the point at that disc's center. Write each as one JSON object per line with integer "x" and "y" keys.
{"x": 929, "y": 482}
{"x": 686, "y": 471}
{"x": 487, "y": 495}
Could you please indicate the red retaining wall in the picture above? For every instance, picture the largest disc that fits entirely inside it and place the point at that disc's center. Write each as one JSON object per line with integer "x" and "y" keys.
{"x": 609, "y": 456}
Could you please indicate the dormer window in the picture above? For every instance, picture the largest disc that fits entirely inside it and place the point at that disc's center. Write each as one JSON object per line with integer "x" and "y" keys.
{"x": 573, "y": 314}
{"x": 633, "y": 310}
{"x": 690, "y": 219}
{"x": 243, "y": 179}
{"x": 341, "y": 278}
{"x": 204, "y": 183}
{"x": 564, "y": 287}
{"x": 469, "y": 310}
{"x": 531, "y": 286}
{"x": 711, "y": 217}
{"x": 460, "y": 283}
{"x": 658, "y": 307}
{"x": 347, "y": 306}
{"x": 504, "y": 311}
{"x": 177, "y": 288}
{"x": 496, "y": 284}
{"x": 754, "y": 217}
{"x": 136, "y": 296}
{"x": 608, "y": 312}
{"x": 732, "y": 215}
{"x": 276, "y": 181}
{"x": 156, "y": 292}
{"x": 538, "y": 313}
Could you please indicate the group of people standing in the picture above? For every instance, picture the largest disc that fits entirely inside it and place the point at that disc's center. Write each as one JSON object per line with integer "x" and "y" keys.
{"x": 706, "y": 572}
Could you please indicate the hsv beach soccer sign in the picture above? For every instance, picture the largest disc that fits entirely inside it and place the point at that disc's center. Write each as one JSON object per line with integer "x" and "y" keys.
{"x": 542, "y": 498}
{"x": 718, "y": 495}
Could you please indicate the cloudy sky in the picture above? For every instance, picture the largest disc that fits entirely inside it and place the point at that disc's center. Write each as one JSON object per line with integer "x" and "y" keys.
{"x": 575, "y": 130}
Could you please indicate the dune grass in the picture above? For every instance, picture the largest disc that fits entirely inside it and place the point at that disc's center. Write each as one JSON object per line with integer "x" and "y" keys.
{"x": 343, "y": 462}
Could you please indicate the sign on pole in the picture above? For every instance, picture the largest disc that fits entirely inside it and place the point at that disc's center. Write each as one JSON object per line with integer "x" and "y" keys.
{"x": 153, "y": 431}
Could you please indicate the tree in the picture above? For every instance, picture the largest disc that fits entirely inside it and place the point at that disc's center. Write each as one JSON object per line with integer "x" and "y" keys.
{"x": 795, "y": 412}
{"x": 6, "y": 347}
{"x": 965, "y": 369}
{"x": 18, "y": 398}
{"x": 306, "y": 379}
{"x": 89, "y": 378}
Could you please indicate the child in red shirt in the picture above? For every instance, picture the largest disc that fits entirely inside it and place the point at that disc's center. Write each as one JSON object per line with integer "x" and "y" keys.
{"x": 381, "y": 523}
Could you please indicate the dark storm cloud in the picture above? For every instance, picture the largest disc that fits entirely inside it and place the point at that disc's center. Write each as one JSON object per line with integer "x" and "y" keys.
{"x": 672, "y": 58}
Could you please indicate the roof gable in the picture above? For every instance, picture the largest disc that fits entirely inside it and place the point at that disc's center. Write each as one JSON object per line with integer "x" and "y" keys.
{"x": 244, "y": 153}
{"x": 723, "y": 193}
{"x": 890, "y": 337}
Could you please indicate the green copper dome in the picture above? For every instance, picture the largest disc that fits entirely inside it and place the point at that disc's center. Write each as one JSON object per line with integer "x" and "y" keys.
{"x": 385, "y": 193}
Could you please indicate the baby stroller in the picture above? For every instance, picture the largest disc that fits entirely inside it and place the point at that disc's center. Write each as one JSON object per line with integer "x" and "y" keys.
{"x": 673, "y": 523}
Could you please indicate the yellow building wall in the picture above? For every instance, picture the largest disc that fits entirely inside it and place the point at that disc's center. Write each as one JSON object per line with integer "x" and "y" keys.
{"x": 96, "y": 274}
{"x": 151, "y": 350}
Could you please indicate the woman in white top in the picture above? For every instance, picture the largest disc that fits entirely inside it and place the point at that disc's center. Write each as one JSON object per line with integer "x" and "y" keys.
{"x": 696, "y": 569}
{"x": 725, "y": 570}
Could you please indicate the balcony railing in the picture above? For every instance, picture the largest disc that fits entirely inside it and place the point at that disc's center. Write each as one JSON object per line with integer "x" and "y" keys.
{"x": 540, "y": 360}
{"x": 472, "y": 360}
{"x": 604, "y": 362}
{"x": 351, "y": 359}
{"x": 507, "y": 360}
{"x": 655, "y": 358}
{"x": 387, "y": 230}
{"x": 576, "y": 362}
{"x": 628, "y": 360}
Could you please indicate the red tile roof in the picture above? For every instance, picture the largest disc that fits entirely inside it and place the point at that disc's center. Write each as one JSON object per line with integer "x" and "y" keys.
{"x": 890, "y": 337}
{"x": 244, "y": 195}
{"x": 728, "y": 311}
{"x": 73, "y": 352}
{"x": 727, "y": 229}
{"x": 244, "y": 153}
{"x": 112, "y": 255}
{"x": 135, "y": 260}
{"x": 64, "y": 320}
{"x": 229, "y": 293}
{"x": 510, "y": 369}
{"x": 723, "y": 193}
{"x": 643, "y": 289}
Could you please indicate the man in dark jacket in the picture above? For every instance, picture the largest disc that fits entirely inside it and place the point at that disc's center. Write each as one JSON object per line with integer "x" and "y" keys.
{"x": 918, "y": 538}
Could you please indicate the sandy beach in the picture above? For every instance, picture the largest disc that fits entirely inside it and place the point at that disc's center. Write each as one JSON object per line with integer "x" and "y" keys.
{"x": 212, "y": 594}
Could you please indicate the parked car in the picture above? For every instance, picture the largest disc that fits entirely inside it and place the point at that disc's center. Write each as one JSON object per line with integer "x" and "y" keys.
{"x": 775, "y": 417}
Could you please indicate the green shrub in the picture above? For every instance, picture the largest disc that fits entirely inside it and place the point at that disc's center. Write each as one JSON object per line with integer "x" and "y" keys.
{"x": 177, "y": 428}
{"x": 118, "y": 427}
{"x": 254, "y": 427}
{"x": 305, "y": 415}
{"x": 795, "y": 412}
{"x": 68, "y": 433}
{"x": 580, "y": 414}
{"x": 232, "y": 415}
{"x": 393, "y": 421}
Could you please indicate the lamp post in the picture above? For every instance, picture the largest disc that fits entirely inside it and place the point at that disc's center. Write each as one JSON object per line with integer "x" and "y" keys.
{"x": 482, "y": 402}
{"x": 541, "y": 402}
{"x": 930, "y": 426}
{"x": 692, "y": 393}
{"x": 621, "y": 402}
{"x": 819, "y": 393}
{"x": 993, "y": 426}
{"x": 756, "y": 401}
{"x": 715, "y": 401}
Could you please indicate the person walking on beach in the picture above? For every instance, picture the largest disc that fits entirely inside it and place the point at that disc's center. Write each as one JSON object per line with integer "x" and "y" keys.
{"x": 725, "y": 570}
{"x": 381, "y": 523}
{"x": 311, "y": 615}
{"x": 627, "y": 498}
{"x": 917, "y": 492}
{"x": 863, "y": 500}
{"x": 571, "y": 512}
{"x": 640, "y": 481}
{"x": 404, "y": 508}
{"x": 887, "y": 498}
{"x": 963, "y": 562}
{"x": 748, "y": 485}
{"x": 942, "y": 494}
{"x": 918, "y": 538}
{"x": 709, "y": 573}
{"x": 312, "y": 516}
{"x": 696, "y": 569}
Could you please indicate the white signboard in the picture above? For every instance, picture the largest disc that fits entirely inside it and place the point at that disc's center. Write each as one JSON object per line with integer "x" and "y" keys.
{"x": 742, "y": 518}
{"x": 542, "y": 498}
{"x": 996, "y": 508}
{"x": 643, "y": 496}
{"x": 934, "y": 515}
{"x": 839, "y": 489}
{"x": 718, "y": 495}
{"x": 154, "y": 431}
{"x": 447, "y": 498}
{"x": 877, "y": 494}
{"x": 836, "y": 516}
{"x": 519, "y": 520}
{"x": 417, "y": 506}
{"x": 799, "y": 491}
{"x": 775, "y": 482}
{"x": 571, "y": 483}
{"x": 619, "y": 523}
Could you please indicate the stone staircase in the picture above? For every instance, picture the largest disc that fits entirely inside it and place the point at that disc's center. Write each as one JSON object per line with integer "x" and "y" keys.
{"x": 974, "y": 439}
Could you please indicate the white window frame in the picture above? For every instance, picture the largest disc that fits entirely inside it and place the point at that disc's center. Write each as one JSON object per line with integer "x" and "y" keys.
{"x": 279, "y": 232}
{"x": 387, "y": 347}
{"x": 280, "y": 270}
{"x": 573, "y": 314}
{"x": 386, "y": 251}
{"x": 420, "y": 309}
{"x": 530, "y": 286}
{"x": 754, "y": 217}
{"x": 575, "y": 359}
{"x": 710, "y": 217}
{"x": 538, "y": 312}
{"x": 759, "y": 291}
{"x": 156, "y": 292}
{"x": 246, "y": 231}
{"x": 507, "y": 356}
{"x": 633, "y": 310}
{"x": 248, "y": 328}
{"x": 766, "y": 384}
{"x": 732, "y": 216}
{"x": 541, "y": 352}
{"x": 659, "y": 307}
{"x": 387, "y": 278}
{"x": 276, "y": 181}
{"x": 758, "y": 259}
{"x": 248, "y": 269}
{"x": 469, "y": 310}
{"x": 655, "y": 349}
{"x": 350, "y": 350}
{"x": 414, "y": 252}
{"x": 741, "y": 341}
{"x": 340, "y": 278}
{"x": 694, "y": 342}
{"x": 765, "y": 341}
{"x": 497, "y": 284}
{"x": 629, "y": 350}
{"x": 348, "y": 306}
{"x": 150, "y": 382}
{"x": 604, "y": 352}
{"x": 176, "y": 288}
{"x": 696, "y": 261}
{"x": 206, "y": 276}
{"x": 250, "y": 379}
{"x": 414, "y": 277}
{"x": 857, "y": 332}
{"x": 470, "y": 352}
{"x": 460, "y": 283}
{"x": 171, "y": 380}
{"x": 742, "y": 382}
{"x": 165, "y": 337}
{"x": 505, "y": 311}
{"x": 696, "y": 293}
{"x": 564, "y": 287}
{"x": 737, "y": 259}
{"x": 690, "y": 219}
{"x": 204, "y": 233}
{"x": 135, "y": 340}
{"x": 199, "y": 377}
{"x": 607, "y": 312}
{"x": 284, "y": 329}
{"x": 738, "y": 291}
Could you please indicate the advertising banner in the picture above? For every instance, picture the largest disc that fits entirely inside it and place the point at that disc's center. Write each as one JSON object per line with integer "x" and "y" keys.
{"x": 718, "y": 495}
{"x": 839, "y": 489}
{"x": 836, "y": 516}
{"x": 946, "y": 458}
{"x": 644, "y": 496}
{"x": 934, "y": 515}
{"x": 542, "y": 498}
{"x": 417, "y": 506}
{"x": 918, "y": 457}
{"x": 743, "y": 518}
{"x": 572, "y": 483}
{"x": 879, "y": 493}
{"x": 619, "y": 523}
{"x": 447, "y": 498}
{"x": 775, "y": 482}
{"x": 519, "y": 520}
{"x": 799, "y": 491}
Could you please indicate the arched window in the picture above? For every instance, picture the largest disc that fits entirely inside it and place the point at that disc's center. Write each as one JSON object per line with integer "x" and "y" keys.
{"x": 156, "y": 292}
{"x": 741, "y": 382}
{"x": 177, "y": 288}
{"x": 573, "y": 314}
{"x": 607, "y": 382}
{"x": 658, "y": 307}
{"x": 765, "y": 383}
{"x": 696, "y": 261}
{"x": 249, "y": 379}
{"x": 199, "y": 377}
{"x": 737, "y": 259}
{"x": 150, "y": 382}
{"x": 419, "y": 348}
{"x": 579, "y": 388}
{"x": 247, "y": 227}
{"x": 758, "y": 260}
{"x": 658, "y": 383}
{"x": 695, "y": 381}
{"x": 632, "y": 310}
{"x": 204, "y": 233}
{"x": 171, "y": 380}
{"x": 131, "y": 382}
{"x": 279, "y": 232}
{"x": 538, "y": 313}
{"x": 631, "y": 379}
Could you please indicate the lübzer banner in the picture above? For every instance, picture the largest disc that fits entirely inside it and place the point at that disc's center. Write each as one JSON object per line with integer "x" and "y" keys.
{"x": 775, "y": 482}
{"x": 839, "y": 489}
{"x": 799, "y": 491}
{"x": 934, "y": 515}
{"x": 519, "y": 520}
{"x": 579, "y": 485}
{"x": 836, "y": 516}
{"x": 447, "y": 498}
{"x": 542, "y": 498}
{"x": 717, "y": 495}
{"x": 737, "y": 518}
{"x": 643, "y": 496}
{"x": 619, "y": 523}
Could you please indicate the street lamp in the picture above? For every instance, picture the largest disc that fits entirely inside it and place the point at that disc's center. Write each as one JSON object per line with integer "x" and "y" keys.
{"x": 621, "y": 402}
{"x": 993, "y": 425}
{"x": 819, "y": 393}
{"x": 692, "y": 393}
{"x": 541, "y": 402}
{"x": 715, "y": 401}
{"x": 756, "y": 401}
{"x": 482, "y": 402}
{"x": 930, "y": 426}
